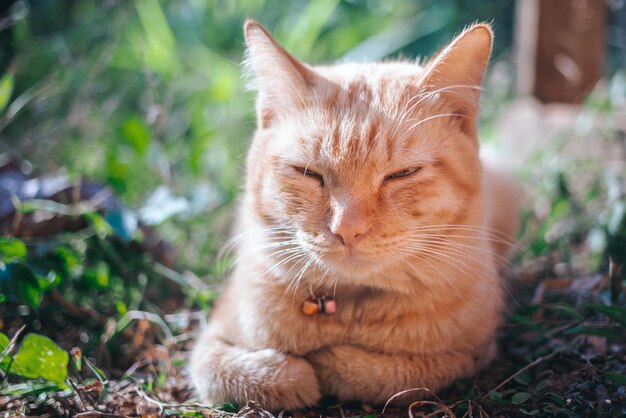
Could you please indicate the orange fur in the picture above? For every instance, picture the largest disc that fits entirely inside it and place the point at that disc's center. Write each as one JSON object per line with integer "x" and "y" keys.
{"x": 329, "y": 208}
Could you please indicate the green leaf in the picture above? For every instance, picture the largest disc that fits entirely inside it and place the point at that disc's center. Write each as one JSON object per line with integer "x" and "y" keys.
{"x": 136, "y": 134}
{"x": 99, "y": 224}
{"x": 97, "y": 277}
{"x": 616, "y": 313}
{"x": 5, "y": 360}
{"x": 610, "y": 333}
{"x": 6, "y": 88}
{"x": 520, "y": 397}
{"x": 160, "y": 53}
{"x": 40, "y": 358}
{"x": 19, "y": 281}
{"x": 617, "y": 379}
{"x": 231, "y": 407}
{"x": 542, "y": 385}
{"x": 523, "y": 378}
{"x": 531, "y": 413}
{"x": 12, "y": 249}
{"x": 566, "y": 310}
{"x": 30, "y": 389}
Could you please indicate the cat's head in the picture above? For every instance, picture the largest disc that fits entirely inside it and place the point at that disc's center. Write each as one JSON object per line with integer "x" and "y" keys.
{"x": 359, "y": 163}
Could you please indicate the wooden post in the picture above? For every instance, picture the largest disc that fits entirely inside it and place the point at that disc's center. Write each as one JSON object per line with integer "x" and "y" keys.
{"x": 560, "y": 48}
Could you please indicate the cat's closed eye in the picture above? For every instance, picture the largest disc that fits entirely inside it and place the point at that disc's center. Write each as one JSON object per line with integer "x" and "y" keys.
{"x": 405, "y": 172}
{"x": 306, "y": 171}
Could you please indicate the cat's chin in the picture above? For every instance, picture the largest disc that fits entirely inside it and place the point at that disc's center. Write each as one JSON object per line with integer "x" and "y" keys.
{"x": 355, "y": 265}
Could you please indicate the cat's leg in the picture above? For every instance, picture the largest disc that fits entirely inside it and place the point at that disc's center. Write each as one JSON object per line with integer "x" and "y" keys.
{"x": 352, "y": 373}
{"x": 225, "y": 373}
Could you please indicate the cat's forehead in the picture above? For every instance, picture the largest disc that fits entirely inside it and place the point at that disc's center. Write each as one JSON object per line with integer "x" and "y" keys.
{"x": 357, "y": 119}
{"x": 373, "y": 74}
{"x": 380, "y": 85}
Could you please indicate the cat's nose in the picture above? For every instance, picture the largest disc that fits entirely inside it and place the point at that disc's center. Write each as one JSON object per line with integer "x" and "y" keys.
{"x": 350, "y": 229}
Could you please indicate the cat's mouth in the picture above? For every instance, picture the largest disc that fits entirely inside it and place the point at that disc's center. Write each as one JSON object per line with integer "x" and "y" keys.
{"x": 352, "y": 262}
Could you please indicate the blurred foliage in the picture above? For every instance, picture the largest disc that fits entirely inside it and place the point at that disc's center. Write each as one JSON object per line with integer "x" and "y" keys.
{"x": 147, "y": 95}
{"x": 578, "y": 218}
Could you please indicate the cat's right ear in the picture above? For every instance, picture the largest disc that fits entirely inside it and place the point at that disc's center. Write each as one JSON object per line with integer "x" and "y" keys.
{"x": 281, "y": 80}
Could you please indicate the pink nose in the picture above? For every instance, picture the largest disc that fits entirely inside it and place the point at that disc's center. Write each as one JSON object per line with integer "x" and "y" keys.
{"x": 351, "y": 229}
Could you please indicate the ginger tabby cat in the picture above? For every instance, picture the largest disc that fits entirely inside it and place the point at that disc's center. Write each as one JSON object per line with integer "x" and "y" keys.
{"x": 369, "y": 235}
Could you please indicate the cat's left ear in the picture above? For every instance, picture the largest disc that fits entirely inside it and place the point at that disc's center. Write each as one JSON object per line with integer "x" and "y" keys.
{"x": 457, "y": 71}
{"x": 282, "y": 81}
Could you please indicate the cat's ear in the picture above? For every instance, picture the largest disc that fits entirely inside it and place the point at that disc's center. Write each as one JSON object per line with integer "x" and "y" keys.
{"x": 281, "y": 80}
{"x": 457, "y": 72}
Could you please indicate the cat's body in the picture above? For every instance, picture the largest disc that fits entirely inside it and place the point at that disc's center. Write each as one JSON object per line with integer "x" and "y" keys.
{"x": 364, "y": 185}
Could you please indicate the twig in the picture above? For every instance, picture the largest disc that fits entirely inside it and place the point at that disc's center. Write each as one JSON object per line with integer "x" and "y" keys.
{"x": 404, "y": 392}
{"x": 615, "y": 281}
{"x": 440, "y": 405}
{"x": 522, "y": 370}
{"x": 163, "y": 405}
{"x": 80, "y": 395}
{"x": 78, "y": 311}
{"x": 11, "y": 343}
{"x": 149, "y": 316}
{"x": 93, "y": 414}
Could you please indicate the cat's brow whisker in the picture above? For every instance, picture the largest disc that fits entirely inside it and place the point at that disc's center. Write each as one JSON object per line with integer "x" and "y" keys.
{"x": 423, "y": 96}
{"x": 426, "y": 95}
{"x": 440, "y": 115}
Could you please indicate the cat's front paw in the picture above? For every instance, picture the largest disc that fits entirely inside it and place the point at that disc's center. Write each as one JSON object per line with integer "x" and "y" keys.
{"x": 332, "y": 366}
{"x": 273, "y": 379}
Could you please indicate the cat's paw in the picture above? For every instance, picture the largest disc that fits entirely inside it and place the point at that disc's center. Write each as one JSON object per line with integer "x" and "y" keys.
{"x": 273, "y": 379}
{"x": 296, "y": 385}
{"x": 332, "y": 366}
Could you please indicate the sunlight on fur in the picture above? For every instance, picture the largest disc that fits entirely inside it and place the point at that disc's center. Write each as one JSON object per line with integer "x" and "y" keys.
{"x": 370, "y": 235}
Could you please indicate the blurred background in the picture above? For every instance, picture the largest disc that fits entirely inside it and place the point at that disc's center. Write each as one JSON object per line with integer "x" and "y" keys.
{"x": 124, "y": 127}
{"x": 147, "y": 96}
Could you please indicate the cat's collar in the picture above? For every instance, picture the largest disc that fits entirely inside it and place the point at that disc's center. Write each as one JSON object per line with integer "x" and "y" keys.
{"x": 319, "y": 304}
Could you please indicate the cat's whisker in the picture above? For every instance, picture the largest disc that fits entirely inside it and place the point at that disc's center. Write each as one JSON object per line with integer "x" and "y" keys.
{"x": 432, "y": 257}
{"x": 438, "y": 253}
{"x": 298, "y": 278}
{"x": 463, "y": 256}
{"x": 483, "y": 264}
{"x": 423, "y": 96}
{"x": 427, "y": 261}
{"x": 451, "y": 240}
{"x": 463, "y": 226}
{"x": 270, "y": 232}
{"x": 282, "y": 262}
{"x": 485, "y": 231}
{"x": 450, "y": 250}
{"x": 429, "y": 118}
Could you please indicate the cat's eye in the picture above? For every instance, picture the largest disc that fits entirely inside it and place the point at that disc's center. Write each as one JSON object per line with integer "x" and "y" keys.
{"x": 403, "y": 173}
{"x": 309, "y": 173}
